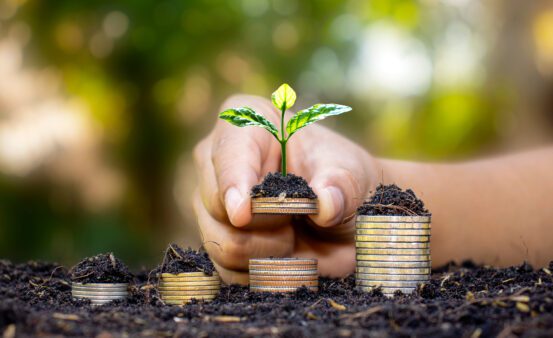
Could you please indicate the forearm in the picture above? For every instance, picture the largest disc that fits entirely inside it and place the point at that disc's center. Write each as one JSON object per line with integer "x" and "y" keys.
{"x": 495, "y": 211}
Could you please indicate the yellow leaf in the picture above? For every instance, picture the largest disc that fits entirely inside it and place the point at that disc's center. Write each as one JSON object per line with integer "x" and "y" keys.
{"x": 284, "y": 97}
{"x": 335, "y": 305}
{"x": 523, "y": 307}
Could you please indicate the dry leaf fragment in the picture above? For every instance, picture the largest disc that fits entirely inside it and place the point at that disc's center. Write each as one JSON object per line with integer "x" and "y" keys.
{"x": 282, "y": 196}
{"x": 469, "y": 296}
{"x": 476, "y": 333}
{"x": 521, "y": 298}
{"x": 523, "y": 307}
{"x": 227, "y": 319}
{"x": 335, "y": 305}
{"x": 9, "y": 332}
{"x": 547, "y": 271}
{"x": 311, "y": 316}
{"x": 64, "y": 316}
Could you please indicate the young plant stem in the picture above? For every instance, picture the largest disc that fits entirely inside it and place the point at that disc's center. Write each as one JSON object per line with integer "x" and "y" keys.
{"x": 283, "y": 141}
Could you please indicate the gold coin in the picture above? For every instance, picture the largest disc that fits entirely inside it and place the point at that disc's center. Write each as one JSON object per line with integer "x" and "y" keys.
{"x": 284, "y": 278}
{"x": 393, "y": 239}
{"x": 283, "y": 267}
{"x": 387, "y": 283}
{"x": 189, "y": 288}
{"x": 295, "y": 284}
{"x": 389, "y": 277}
{"x": 190, "y": 279}
{"x": 188, "y": 293}
{"x": 391, "y": 245}
{"x": 283, "y": 261}
{"x": 198, "y": 297}
{"x": 284, "y": 211}
{"x": 398, "y": 226}
{"x": 391, "y": 264}
{"x": 393, "y": 271}
{"x": 279, "y": 289}
{"x": 392, "y": 219}
{"x": 285, "y": 273}
{"x": 394, "y": 258}
{"x": 386, "y": 251}
{"x": 393, "y": 232}
{"x": 185, "y": 284}
{"x": 188, "y": 274}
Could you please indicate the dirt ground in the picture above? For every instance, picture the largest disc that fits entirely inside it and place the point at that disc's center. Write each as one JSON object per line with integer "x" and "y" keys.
{"x": 459, "y": 301}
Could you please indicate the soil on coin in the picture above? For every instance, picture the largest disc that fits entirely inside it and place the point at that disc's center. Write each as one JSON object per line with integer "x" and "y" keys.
{"x": 177, "y": 260}
{"x": 458, "y": 301}
{"x": 102, "y": 268}
{"x": 391, "y": 200}
{"x": 289, "y": 186}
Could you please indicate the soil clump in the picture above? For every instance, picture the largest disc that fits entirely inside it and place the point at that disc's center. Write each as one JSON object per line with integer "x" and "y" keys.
{"x": 102, "y": 268}
{"x": 289, "y": 186}
{"x": 390, "y": 200}
{"x": 177, "y": 260}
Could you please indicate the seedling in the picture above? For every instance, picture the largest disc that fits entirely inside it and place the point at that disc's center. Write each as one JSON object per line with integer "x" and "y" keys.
{"x": 283, "y": 99}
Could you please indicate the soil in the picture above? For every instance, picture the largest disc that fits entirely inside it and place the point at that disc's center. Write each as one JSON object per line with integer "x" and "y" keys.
{"x": 274, "y": 185}
{"x": 103, "y": 268}
{"x": 459, "y": 301}
{"x": 177, "y": 260}
{"x": 390, "y": 200}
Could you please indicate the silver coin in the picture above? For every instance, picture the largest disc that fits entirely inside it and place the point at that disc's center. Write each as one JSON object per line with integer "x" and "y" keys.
{"x": 93, "y": 294}
{"x": 392, "y": 277}
{"x": 284, "y": 273}
{"x": 392, "y": 264}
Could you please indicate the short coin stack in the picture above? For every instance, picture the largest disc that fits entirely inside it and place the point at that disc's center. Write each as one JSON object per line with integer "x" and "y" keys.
{"x": 289, "y": 206}
{"x": 283, "y": 274}
{"x": 179, "y": 289}
{"x": 393, "y": 252}
{"x": 100, "y": 293}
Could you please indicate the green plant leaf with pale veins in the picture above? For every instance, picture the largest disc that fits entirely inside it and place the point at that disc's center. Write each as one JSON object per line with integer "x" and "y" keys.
{"x": 284, "y": 97}
{"x": 244, "y": 116}
{"x": 313, "y": 114}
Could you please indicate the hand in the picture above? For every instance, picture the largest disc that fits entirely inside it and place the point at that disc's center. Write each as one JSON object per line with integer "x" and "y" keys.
{"x": 231, "y": 160}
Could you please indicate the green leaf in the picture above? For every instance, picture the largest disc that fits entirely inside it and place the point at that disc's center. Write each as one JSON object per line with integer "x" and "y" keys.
{"x": 284, "y": 97}
{"x": 313, "y": 114}
{"x": 244, "y": 116}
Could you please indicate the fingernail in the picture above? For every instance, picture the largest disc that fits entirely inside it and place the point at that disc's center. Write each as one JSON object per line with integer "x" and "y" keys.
{"x": 233, "y": 199}
{"x": 335, "y": 211}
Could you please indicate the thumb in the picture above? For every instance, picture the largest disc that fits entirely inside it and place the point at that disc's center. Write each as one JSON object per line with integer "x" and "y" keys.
{"x": 339, "y": 194}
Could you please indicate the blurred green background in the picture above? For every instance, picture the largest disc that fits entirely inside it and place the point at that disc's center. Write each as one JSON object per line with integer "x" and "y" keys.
{"x": 101, "y": 102}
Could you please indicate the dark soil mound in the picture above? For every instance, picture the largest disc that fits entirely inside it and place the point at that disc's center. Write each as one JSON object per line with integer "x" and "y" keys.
{"x": 390, "y": 200}
{"x": 103, "y": 268}
{"x": 274, "y": 184}
{"x": 178, "y": 260}
{"x": 458, "y": 301}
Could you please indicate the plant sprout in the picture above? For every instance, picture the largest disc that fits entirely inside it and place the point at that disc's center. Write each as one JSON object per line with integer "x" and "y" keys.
{"x": 283, "y": 98}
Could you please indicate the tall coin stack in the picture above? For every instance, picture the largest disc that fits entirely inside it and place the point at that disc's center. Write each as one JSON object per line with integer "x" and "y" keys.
{"x": 393, "y": 252}
{"x": 283, "y": 274}
{"x": 179, "y": 289}
{"x": 100, "y": 293}
{"x": 291, "y": 206}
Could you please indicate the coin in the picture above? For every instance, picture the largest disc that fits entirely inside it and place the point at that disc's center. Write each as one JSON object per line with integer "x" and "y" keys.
{"x": 188, "y": 274}
{"x": 387, "y": 284}
{"x": 188, "y": 293}
{"x": 279, "y": 289}
{"x": 394, "y": 258}
{"x": 283, "y": 261}
{"x": 392, "y": 264}
{"x": 106, "y": 298}
{"x": 285, "y": 273}
{"x": 390, "y": 277}
{"x": 97, "y": 293}
{"x": 183, "y": 301}
{"x": 387, "y": 251}
{"x": 393, "y": 239}
{"x": 85, "y": 289}
{"x": 277, "y": 205}
{"x": 191, "y": 279}
{"x": 393, "y": 271}
{"x": 393, "y": 232}
{"x": 189, "y": 288}
{"x": 101, "y": 285}
{"x": 188, "y": 284}
{"x": 387, "y": 291}
{"x": 392, "y": 219}
{"x": 203, "y": 297}
{"x": 398, "y": 226}
{"x": 284, "y": 278}
{"x": 284, "y": 284}
{"x": 283, "y": 267}
{"x": 391, "y": 245}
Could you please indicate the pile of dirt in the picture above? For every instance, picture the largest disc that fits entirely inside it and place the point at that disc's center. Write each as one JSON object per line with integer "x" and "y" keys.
{"x": 458, "y": 301}
{"x": 276, "y": 185}
{"x": 177, "y": 260}
{"x": 102, "y": 268}
{"x": 390, "y": 200}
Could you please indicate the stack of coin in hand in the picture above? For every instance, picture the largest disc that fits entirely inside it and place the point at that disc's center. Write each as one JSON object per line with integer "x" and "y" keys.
{"x": 283, "y": 274}
{"x": 179, "y": 289}
{"x": 288, "y": 206}
{"x": 393, "y": 252}
{"x": 100, "y": 293}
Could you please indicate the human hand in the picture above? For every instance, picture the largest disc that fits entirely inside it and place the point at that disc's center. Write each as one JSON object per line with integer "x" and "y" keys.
{"x": 229, "y": 161}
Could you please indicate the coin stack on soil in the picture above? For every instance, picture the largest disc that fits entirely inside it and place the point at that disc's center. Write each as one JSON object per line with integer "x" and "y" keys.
{"x": 283, "y": 274}
{"x": 100, "y": 293}
{"x": 393, "y": 252}
{"x": 179, "y": 289}
{"x": 277, "y": 205}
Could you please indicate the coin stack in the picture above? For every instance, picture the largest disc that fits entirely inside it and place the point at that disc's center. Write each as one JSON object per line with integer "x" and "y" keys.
{"x": 100, "y": 293}
{"x": 393, "y": 252}
{"x": 289, "y": 206}
{"x": 179, "y": 289}
{"x": 283, "y": 274}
